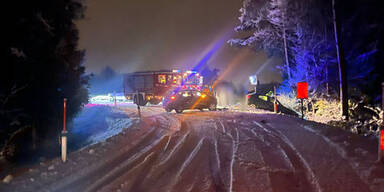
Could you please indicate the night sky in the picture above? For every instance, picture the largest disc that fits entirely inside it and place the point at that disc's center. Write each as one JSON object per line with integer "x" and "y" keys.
{"x": 131, "y": 35}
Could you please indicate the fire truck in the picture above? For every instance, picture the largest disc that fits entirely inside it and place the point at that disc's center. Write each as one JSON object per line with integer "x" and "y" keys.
{"x": 153, "y": 86}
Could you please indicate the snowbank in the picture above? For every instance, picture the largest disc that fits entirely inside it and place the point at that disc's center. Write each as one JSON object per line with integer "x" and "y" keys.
{"x": 96, "y": 123}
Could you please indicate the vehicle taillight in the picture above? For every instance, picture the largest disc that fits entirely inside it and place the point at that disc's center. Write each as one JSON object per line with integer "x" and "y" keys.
{"x": 249, "y": 96}
{"x": 173, "y": 97}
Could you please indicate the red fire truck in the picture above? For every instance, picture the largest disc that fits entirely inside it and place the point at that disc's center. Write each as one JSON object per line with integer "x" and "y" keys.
{"x": 153, "y": 86}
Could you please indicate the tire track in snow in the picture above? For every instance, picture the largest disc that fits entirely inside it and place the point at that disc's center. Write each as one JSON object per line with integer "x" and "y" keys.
{"x": 339, "y": 149}
{"x": 186, "y": 162}
{"x": 265, "y": 141}
{"x": 285, "y": 156}
{"x": 235, "y": 146}
{"x": 190, "y": 157}
{"x": 140, "y": 170}
{"x": 222, "y": 126}
{"x": 309, "y": 172}
{"x": 177, "y": 147}
{"x": 166, "y": 145}
{"x": 119, "y": 169}
{"x": 82, "y": 181}
{"x": 342, "y": 152}
{"x": 258, "y": 136}
{"x": 250, "y": 164}
{"x": 217, "y": 155}
{"x": 261, "y": 126}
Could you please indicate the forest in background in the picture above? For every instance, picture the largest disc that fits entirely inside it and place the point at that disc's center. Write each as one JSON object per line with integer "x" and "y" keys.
{"x": 303, "y": 33}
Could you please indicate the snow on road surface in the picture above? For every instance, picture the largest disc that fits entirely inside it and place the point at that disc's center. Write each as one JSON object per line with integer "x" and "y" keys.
{"x": 216, "y": 151}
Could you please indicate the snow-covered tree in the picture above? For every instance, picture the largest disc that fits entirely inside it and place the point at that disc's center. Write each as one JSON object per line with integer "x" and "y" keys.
{"x": 301, "y": 32}
{"x": 274, "y": 25}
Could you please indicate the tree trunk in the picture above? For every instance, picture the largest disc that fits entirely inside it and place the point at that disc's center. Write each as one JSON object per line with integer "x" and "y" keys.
{"x": 282, "y": 5}
{"x": 286, "y": 50}
{"x": 286, "y": 55}
{"x": 341, "y": 64}
{"x": 326, "y": 78}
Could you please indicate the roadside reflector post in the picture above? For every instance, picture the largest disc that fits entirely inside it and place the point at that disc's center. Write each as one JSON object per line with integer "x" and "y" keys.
{"x": 64, "y": 134}
{"x": 137, "y": 101}
{"x": 302, "y": 93}
{"x": 381, "y": 136}
{"x": 138, "y": 110}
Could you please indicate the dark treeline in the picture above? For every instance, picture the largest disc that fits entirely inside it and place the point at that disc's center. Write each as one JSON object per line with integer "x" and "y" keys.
{"x": 302, "y": 33}
{"x": 41, "y": 66}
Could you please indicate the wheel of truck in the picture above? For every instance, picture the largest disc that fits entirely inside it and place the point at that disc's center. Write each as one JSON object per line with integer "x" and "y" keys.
{"x": 212, "y": 107}
{"x": 168, "y": 109}
{"x": 178, "y": 110}
{"x": 201, "y": 109}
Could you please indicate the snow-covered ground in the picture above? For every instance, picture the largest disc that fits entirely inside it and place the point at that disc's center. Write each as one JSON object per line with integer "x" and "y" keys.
{"x": 214, "y": 151}
{"x": 98, "y": 122}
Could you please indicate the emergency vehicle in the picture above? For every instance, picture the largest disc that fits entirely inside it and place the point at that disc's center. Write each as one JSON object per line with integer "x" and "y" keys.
{"x": 153, "y": 86}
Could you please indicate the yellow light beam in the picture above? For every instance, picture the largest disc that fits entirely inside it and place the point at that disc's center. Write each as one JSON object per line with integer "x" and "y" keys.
{"x": 235, "y": 61}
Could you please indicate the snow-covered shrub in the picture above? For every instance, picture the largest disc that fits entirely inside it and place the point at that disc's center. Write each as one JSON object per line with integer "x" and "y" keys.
{"x": 289, "y": 101}
{"x": 315, "y": 109}
{"x": 325, "y": 110}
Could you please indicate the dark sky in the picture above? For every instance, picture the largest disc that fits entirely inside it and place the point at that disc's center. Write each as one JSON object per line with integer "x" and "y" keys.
{"x": 131, "y": 35}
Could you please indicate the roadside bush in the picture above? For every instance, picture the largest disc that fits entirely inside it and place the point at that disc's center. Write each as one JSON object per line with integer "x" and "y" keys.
{"x": 364, "y": 119}
{"x": 289, "y": 101}
{"x": 325, "y": 110}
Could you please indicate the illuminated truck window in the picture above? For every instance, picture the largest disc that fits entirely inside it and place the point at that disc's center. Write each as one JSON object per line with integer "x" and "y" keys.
{"x": 162, "y": 79}
{"x": 169, "y": 79}
{"x": 176, "y": 79}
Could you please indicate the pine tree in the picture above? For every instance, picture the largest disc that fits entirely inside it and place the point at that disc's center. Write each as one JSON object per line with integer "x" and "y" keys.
{"x": 41, "y": 66}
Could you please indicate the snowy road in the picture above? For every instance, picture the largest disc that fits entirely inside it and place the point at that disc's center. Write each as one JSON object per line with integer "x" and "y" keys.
{"x": 230, "y": 151}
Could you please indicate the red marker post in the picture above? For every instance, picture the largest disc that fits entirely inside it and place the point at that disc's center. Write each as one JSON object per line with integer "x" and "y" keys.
{"x": 381, "y": 145}
{"x": 381, "y": 136}
{"x": 275, "y": 101}
{"x": 302, "y": 93}
{"x": 64, "y": 134}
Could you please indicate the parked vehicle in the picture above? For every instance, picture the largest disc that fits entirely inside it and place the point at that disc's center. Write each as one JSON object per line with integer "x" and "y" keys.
{"x": 262, "y": 97}
{"x": 184, "y": 99}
